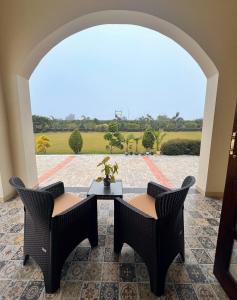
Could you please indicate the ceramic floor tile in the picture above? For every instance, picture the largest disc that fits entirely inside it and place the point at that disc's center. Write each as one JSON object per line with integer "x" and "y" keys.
{"x": 100, "y": 273}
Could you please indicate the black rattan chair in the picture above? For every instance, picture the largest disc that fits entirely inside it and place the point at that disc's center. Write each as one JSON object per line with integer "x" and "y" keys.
{"x": 55, "y": 223}
{"x": 153, "y": 225}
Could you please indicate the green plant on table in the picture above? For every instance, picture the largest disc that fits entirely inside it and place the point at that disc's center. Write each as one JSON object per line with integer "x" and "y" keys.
{"x": 108, "y": 169}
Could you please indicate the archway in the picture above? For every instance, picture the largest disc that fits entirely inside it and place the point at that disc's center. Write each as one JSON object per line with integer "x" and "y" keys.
{"x": 27, "y": 167}
{"x": 88, "y": 62}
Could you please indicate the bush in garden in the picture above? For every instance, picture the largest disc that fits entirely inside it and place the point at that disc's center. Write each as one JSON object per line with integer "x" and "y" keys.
{"x": 181, "y": 147}
{"x": 148, "y": 139}
{"x": 42, "y": 144}
{"x": 75, "y": 141}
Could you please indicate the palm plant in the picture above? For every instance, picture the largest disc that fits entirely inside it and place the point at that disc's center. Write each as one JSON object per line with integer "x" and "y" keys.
{"x": 128, "y": 141}
{"x": 137, "y": 139}
{"x": 159, "y": 136}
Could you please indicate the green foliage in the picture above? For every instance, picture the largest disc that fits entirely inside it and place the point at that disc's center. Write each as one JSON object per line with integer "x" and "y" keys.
{"x": 128, "y": 141}
{"x": 101, "y": 127}
{"x": 114, "y": 137}
{"x": 108, "y": 170}
{"x": 175, "y": 123}
{"x": 93, "y": 142}
{"x": 113, "y": 127}
{"x": 75, "y": 141}
{"x": 137, "y": 139}
{"x": 42, "y": 143}
{"x": 181, "y": 147}
{"x": 41, "y": 124}
{"x": 159, "y": 136}
{"x": 148, "y": 139}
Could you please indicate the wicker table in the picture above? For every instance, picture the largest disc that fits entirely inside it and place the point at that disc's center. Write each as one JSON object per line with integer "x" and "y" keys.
{"x": 103, "y": 192}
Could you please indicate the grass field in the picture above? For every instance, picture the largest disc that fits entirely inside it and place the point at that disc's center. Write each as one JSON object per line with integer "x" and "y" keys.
{"x": 93, "y": 142}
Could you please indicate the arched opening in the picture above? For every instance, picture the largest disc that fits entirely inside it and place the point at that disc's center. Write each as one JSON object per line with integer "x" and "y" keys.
{"x": 96, "y": 83}
{"x": 123, "y": 17}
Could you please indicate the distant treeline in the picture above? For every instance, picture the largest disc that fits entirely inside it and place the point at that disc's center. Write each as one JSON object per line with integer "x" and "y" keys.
{"x": 176, "y": 123}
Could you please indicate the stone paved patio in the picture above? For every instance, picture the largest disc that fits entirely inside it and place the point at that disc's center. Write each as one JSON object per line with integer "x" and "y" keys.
{"x": 133, "y": 170}
{"x": 98, "y": 273}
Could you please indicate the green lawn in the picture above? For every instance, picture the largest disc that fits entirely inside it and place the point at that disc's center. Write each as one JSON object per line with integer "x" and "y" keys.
{"x": 93, "y": 142}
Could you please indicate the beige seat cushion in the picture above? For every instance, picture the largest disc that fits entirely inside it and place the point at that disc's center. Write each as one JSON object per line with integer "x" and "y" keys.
{"x": 145, "y": 203}
{"x": 64, "y": 202}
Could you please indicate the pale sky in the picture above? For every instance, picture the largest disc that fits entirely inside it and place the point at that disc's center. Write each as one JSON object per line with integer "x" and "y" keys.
{"x": 118, "y": 67}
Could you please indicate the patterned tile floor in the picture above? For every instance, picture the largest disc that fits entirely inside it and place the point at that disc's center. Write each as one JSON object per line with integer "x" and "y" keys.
{"x": 100, "y": 274}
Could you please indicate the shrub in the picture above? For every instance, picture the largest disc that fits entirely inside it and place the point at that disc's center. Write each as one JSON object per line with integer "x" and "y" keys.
{"x": 42, "y": 144}
{"x": 75, "y": 141}
{"x": 148, "y": 139}
{"x": 181, "y": 147}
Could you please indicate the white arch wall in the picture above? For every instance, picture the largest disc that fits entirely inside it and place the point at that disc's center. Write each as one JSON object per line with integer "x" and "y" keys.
{"x": 118, "y": 17}
{"x": 42, "y": 25}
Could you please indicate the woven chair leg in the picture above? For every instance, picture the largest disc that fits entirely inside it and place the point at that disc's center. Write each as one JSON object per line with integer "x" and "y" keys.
{"x": 182, "y": 253}
{"x": 118, "y": 245}
{"x": 157, "y": 280}
{"x": 182, "y": 243}
{"x": 93, "y": 239}
{"x": 26, "y": 257}
{"x": 118, "y": 239}
{"x": 52, "y": 280}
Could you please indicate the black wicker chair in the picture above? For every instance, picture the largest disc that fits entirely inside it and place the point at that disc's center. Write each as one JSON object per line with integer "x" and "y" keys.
{"x": 55, "y": 223}
{"x": 153, "y": 225}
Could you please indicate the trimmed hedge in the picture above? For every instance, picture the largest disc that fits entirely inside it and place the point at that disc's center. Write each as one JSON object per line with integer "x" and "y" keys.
{"x": 181, "y": 147}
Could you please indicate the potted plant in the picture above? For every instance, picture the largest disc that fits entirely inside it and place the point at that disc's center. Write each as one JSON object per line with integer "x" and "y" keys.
{"x": 109, "y": 170}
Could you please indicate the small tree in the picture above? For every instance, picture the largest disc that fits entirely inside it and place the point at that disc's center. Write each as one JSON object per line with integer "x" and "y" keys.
{"x": 75, "y": 141}
{"x": 159, "y": 136}
{"x": 128, "y": 141}
{"x": 148, "y": 139}
{"x": 42, "y": 144}
{"x": 114, "y": 137}
{"x": 137, "y": 139}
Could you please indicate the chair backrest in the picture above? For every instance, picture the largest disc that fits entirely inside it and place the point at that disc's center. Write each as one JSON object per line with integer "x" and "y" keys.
{"x": 39, "y": 204}
{"x": 170, "y": 203}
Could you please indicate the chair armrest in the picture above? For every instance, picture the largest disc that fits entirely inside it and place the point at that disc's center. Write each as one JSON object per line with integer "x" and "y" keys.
{"x": 56, "y": 189}
{"x": 133, "y": 209}
{"x": 87, "y": 202}
{"x": 154, "y": 189}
